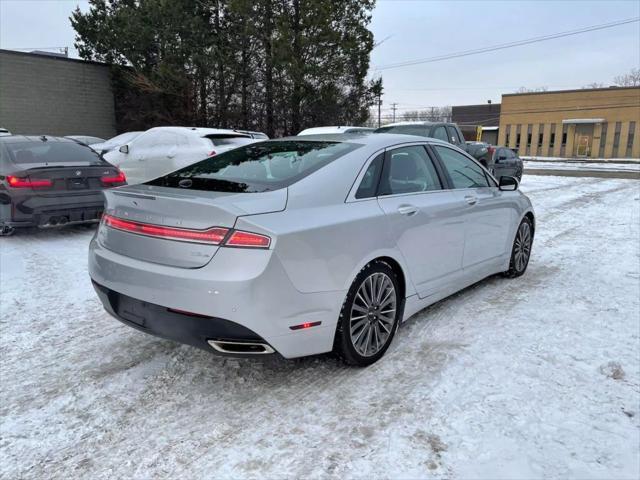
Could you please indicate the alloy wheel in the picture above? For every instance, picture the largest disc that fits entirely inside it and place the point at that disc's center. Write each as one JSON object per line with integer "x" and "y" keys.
{"x": 522, "y": 248}
{"x": 373, "y": 314}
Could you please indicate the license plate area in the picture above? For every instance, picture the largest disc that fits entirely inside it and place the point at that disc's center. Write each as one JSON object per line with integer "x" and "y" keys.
{"x": 77, "y": 183}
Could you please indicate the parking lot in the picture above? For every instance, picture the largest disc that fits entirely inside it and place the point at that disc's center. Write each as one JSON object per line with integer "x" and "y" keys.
{"x": 533, "y": 377}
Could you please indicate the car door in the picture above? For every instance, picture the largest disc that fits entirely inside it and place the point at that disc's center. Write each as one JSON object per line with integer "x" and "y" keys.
{"x": 423, "y": 218}
{"x": 133, "y": 163}
{"x": 488, "y": 215}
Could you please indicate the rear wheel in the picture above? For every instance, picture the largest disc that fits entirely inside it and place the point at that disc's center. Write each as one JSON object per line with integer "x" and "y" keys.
{"x": 521, "y": 250}
{"x": 369, "y": 316}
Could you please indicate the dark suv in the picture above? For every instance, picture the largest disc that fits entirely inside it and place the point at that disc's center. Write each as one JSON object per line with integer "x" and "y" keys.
{"x": 447, "y": 132}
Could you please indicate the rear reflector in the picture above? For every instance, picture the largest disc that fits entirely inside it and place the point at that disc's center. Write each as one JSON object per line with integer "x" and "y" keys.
{"x": 17, "y": 182}
{"x": 211, "y": 236}
{"x": 119, "y": 178}
{"x": 305, "y": 325}
{"x": 247, "y": 240}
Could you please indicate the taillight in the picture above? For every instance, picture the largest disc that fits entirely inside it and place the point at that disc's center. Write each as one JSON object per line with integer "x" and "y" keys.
{"x": 211, "y": 236}
{"x": 24, "y": 182}
{"x": 213, "y": 152}
{"x": 247, "y": 240}
{"x": 491, "y": 150}
{"x": 118, "y": 178}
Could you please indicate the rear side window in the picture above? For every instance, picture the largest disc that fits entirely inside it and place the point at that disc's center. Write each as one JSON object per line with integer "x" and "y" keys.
{"x": 50, "y": 152}
{"x": 408, "y": 170}
{"x": 453, "y": 133}
{"x": 463, "y": 171}
{"x": 257, "y": 167}
{"x": 440, "y": 133}
{"x": 369, "y": 183}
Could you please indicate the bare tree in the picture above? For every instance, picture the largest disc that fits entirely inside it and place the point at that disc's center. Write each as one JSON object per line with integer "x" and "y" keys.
{"x": 631, "y": 79}
{"x": 594, "y": 85}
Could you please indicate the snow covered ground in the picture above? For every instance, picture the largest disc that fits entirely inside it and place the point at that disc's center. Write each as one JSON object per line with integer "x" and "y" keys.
{"x": 528, "y": 378}
{"x": 587, "y": 159}
{"x": 609, "y": 166}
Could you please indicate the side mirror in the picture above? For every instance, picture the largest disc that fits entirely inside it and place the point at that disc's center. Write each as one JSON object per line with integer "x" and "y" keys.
{"x": 508, "y": 184}
{"x": 124, "y": 149}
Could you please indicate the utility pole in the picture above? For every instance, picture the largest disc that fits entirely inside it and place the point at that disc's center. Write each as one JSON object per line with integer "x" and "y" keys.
{"x": 379, "y": 106}
{"x": 394, "y": 108}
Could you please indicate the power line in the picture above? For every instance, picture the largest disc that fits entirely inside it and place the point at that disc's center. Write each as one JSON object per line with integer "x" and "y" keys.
{"x": 503, "y": 46}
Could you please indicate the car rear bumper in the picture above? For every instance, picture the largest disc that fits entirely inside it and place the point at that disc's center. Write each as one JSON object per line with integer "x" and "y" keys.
{"x": 241, "y": 294}
{"x": 35, "y": 210}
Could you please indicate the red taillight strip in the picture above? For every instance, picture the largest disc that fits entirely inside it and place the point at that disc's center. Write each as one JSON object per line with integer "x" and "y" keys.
{"x": 243, "y": 239}
{"x": 17, "y": 182}
{"x": 213, "y": 236}
{"x": 119, "y": 178}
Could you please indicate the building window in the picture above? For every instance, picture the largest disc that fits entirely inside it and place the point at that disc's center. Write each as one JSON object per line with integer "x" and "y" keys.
{"x": 517, "y": 140}
{"x": 632, "y": 128}
{"x": 540, "y": 135}
{"x": 603, "y": 140}
{"x": 552, "y": 139}
{"x": 616, "y": 139}
{"x": 564, "y": 139}
{"x": 506, "y": 138}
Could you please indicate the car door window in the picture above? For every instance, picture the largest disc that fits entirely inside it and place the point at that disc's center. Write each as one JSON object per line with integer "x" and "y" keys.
{"x": 453, "y": 135}
{"x": 463, "y": 171}
{"x": 408, "y": 170}
{"x": 369, "y": 183}
{"x": 440, "y": 133}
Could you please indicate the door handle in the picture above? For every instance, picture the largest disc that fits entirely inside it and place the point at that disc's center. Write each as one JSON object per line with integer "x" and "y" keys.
{"x": 471, "y": 200}
{"x": 407, "y": 210}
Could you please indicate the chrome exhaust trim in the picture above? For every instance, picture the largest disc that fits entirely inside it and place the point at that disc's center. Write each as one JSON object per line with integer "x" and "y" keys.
{"x": 241, "y": 348}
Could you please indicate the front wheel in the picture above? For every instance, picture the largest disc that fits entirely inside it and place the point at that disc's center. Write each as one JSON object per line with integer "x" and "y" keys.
{"x": 370, "y": 315}
{"x": 521, "y": 250}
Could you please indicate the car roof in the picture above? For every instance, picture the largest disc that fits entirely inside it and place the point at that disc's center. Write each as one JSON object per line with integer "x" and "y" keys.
{"x": 398, "y": 124}
{"x": 200, "y": 131}
{"x": 330, "y": 129}
{"x": 378, "y": 140}
{"x": 34, "y": 138}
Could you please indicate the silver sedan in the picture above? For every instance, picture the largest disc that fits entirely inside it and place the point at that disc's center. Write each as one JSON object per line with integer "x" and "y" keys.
{"x": 306, "y": 245}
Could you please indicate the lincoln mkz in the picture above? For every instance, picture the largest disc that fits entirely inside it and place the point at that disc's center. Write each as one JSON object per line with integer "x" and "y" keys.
{"x": 306, "y": 245}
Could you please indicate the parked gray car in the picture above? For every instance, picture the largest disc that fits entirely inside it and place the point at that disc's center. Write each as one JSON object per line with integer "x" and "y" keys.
{"x": 500, "y": 161}
{"x": 306, "y": 245}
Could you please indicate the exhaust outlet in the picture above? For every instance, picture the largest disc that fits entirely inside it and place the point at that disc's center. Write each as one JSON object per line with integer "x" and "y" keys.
{"x": 240, "y": 347}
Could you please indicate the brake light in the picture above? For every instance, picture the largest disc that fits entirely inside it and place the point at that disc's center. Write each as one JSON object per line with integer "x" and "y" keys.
{"x": 119, "y": 178}
{"x": 491, "y": 150}
{"x": 247, "y": 240}
{"x": 213, "y": 152}
{"x": 211, "y": 236}
{"x": 18, "y": 182}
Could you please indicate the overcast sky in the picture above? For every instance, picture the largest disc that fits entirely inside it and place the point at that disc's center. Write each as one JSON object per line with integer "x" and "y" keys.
{"x": 417, "y": 29}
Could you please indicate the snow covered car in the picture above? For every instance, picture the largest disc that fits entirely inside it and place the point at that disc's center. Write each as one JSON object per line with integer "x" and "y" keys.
{"x": 336, "y": 129}
{"x": 162, "y": 150}
{"x": 305, "y": 245}
{"x": 114, "y": 142}
{"x": 48, "y": 181}
{"x": 4, "y": 132}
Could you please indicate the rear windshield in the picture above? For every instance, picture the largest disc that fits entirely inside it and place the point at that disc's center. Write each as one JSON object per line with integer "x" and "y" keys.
{"x": 51, "y": 152}
{"x": 219, "y": 140}
{"x": 258, "y": 167}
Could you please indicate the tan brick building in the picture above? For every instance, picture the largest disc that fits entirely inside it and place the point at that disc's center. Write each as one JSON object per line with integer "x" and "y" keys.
{"x": 586, "y": 123}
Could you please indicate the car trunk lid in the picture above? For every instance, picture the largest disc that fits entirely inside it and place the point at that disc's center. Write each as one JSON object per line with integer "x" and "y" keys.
{"x": 66, "y": 179}
{"x": 193, "y": 211}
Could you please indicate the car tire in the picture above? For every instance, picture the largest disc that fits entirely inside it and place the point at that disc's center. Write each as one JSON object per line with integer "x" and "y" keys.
{"x": 6, "y": 231}
{"x": 521, "y": 250}
{"x": 370, "y": 315}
